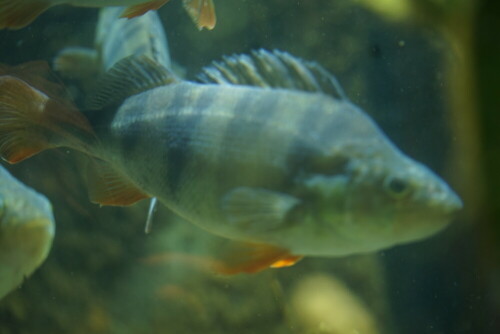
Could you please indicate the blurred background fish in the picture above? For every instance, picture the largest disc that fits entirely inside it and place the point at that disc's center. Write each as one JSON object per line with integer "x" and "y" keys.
{"x": 115, "y": 39}
{"x": 16, "y": 14}
{"x": 26, "y": 231}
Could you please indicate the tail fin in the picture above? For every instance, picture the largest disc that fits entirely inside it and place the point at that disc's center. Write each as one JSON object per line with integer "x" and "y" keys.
{"x": 34, "y": 116}
{"x": 16, "y": 14}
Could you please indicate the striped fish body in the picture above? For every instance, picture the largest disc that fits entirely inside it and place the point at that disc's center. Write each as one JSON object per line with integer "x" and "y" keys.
{"x": 190, "y": 145}
{"x": 266, "y": 150}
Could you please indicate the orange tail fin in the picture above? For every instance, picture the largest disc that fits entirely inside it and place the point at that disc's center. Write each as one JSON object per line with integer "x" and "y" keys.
{"x": 34, "y": 115}
{"x": 16, "y": 14}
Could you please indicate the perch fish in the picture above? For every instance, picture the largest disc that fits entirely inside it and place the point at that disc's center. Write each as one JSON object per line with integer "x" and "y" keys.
{"x": 265, "y": 150}
{"x": 16, "y": 14}
{"x": 26, "y": 231}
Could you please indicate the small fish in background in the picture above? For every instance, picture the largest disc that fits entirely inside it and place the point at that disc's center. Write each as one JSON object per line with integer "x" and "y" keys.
{"x": 115, "y": 39}
{"x": 26, "y": 231}
{"x": 16, "y": 14}
{"x": 265, "y": 151}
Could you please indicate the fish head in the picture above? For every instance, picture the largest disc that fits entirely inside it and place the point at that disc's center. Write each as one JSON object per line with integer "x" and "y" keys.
{"x": 374, "y": 198}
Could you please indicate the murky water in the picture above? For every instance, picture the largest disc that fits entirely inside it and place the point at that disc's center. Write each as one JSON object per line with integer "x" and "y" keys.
{"x": 408, "y": 70}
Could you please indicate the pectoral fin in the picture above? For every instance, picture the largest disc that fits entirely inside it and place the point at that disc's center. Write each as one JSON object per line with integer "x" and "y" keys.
{"x": 142, "y": 8}
{"x": 256, "y": 208}
{"x": 109, "y": 187}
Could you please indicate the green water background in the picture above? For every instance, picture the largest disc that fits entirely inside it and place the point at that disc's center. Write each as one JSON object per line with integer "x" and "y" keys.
{"x": 430, "y": 80}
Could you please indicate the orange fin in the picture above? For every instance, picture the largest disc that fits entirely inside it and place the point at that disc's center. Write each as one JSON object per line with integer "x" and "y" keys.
{"x": 16, "y": 14}
{"x": 287, "y": 261}
{"x": 109, "y": 187}
{"x": 202, "y": 12}
{"x": 142, "y": 8}
{"x": 38, "y": 75}
{"x": 232, "y": 258}
{"x": 32, "y": 120}
{"x": 246, "y": 257}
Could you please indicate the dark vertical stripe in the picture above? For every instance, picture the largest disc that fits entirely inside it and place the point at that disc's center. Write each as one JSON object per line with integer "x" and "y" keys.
{"x": 247, "y": 136}
{"x": 180, "y": 144}
{"x": 131, "y": 137}
{"x": 178, "y": 151}
{"x": 208, "y": 96}
{"x": 179, "y": 95}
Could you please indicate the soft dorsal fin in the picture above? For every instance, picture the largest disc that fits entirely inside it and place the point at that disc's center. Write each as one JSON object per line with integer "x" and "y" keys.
{"x": 129, "y": 76}
{"x": 276, "y": 69}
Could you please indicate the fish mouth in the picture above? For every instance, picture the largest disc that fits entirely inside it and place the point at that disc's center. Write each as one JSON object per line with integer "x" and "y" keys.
{"x": 442, "y": 210}
{"x": 446, "y": 202}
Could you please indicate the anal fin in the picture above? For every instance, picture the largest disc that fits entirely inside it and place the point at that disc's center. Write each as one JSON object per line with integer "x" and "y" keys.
{"x": 16, "y": 14}
{"x": 142, "y": 8}
{"x": 109, "y": 187}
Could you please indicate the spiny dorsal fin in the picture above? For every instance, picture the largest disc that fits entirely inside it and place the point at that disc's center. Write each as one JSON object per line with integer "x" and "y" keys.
{"x": 131, "y": 75}
{"x": 276, "y": 69}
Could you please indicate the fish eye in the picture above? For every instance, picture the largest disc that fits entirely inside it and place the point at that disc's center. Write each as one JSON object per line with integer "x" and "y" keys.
{"x": 397, "y": 187}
